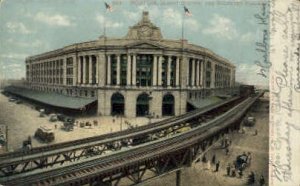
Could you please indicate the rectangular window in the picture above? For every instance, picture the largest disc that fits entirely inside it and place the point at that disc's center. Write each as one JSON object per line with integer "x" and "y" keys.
{"x": 113, "y": 69}
{"x": 123, "y": 69}
{"x": 144, "y": 70}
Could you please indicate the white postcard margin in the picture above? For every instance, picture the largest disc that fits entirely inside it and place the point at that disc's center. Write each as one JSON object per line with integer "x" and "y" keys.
{"x": 284, "y": 167}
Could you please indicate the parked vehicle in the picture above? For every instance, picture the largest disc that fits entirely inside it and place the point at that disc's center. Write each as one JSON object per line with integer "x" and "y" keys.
{"x": 2, "y": 140}
{"x": 12, "y": 99}
{"x": 19, "y": 102}
{"x": 249, "y": 121}
{"x": 53, "y": 118}
{"x": 42, "y": 112}
{"x": 44, "y": 134}
{"x": 61, "y": 117}
{"x": 69, "y": 123}
{"x": 241, "y": 162}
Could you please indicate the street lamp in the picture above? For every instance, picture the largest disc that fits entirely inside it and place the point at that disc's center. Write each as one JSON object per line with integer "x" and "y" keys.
{"x": 149, "y": 116}
{"x": 120, "y": 115}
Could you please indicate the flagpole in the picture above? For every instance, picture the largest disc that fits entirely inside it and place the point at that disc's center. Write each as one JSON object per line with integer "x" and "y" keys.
{"x": 104, "y": 28}
{"x": 182, "y": 32}
{"x": 182, "y": 37}
{"x": 182, "y": 27}
{"x": 105, "y": 52}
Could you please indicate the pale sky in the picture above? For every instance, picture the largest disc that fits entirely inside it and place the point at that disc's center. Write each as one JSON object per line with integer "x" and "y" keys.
{"x": 29, "y": 27}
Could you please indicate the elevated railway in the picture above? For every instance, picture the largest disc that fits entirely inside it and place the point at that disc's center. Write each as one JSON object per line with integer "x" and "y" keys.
{"x": 58, "y": 154}
{"x": 158, "y": 156}
{"x": 156, "y": 125}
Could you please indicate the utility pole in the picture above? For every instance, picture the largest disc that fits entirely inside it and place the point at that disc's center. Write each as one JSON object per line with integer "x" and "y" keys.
{"x": 6, "y": 136}
{"x": 178, "y": 177}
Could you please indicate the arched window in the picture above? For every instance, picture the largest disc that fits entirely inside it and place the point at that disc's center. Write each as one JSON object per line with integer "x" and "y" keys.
{"x": 168, "y": 105}
{"x": 142, "y": 105}
{"x": 117, "y": 104}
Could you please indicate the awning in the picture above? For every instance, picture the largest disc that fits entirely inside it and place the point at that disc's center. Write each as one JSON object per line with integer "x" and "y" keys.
{"x": 200, "y": 103}
{"x": 51, "y": 98}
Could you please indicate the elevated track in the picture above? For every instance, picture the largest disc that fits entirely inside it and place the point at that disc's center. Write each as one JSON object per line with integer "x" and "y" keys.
{"x": 159, "y": 156}
{"x": 58, "y": 154}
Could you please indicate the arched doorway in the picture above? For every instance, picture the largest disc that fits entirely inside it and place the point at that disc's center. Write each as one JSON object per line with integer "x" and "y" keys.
{"x": 117, "y": 104}
{"x": 142, "y": 105}
{"x": 168, "y": 105}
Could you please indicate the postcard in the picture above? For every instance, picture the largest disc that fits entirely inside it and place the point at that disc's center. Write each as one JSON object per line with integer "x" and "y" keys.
{"x": 156, "y": 92}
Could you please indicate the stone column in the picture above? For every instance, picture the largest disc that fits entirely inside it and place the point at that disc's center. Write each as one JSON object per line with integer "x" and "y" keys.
{"x": 232, "y": 73}
{"x": 154, "y": 75}
{"x": 184, "y": 72}
{"x": 213, "y": 72}
{"x": 108, "y": 70}
{"x": 134, "y": 70}
{"x": 118, "y": 69}
{"x": 169, "y": 71}
{"x": 90, "y": 70}
{"x": 84, "y": 70}
{"x": 79, "y": 71}
{"x": 202, "y": 73}
{"x": 187, "y": 70}
{"x": 159, "y": 70}
{"x": 204, "y": 70}
{"x": 53, "y": 72}
{"x": 65, "y": 71}
{"x": 128, "y": 70}
{"x": 197, "y": 73}
{"x": 97, "y": 69}
{"x": 102, "y": 69}
{"x": 74, "y": 70}
{"x": 193, "y": 73}
{"x": 177, "y": 72}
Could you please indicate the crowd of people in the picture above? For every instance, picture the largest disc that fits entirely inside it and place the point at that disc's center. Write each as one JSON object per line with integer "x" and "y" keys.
{"x": 237, "y": 168}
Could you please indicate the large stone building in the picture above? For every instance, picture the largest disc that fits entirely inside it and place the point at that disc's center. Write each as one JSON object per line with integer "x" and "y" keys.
{"x": 139, "y": 74}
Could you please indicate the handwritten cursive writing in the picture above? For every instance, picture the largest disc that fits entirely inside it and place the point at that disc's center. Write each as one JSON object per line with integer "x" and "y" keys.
{"x": 283, "y": 171}
{"x": 262, "y": 46}
{"x": 297, "y": 84}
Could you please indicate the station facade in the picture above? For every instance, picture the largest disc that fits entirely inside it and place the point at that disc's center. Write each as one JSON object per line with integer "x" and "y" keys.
{"x": 141, "y": 74}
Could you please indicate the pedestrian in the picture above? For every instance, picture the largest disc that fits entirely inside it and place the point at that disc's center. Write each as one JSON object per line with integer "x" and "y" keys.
{"x": 213, "y": 160}
{"x": 204, "y": 158}
{"x": 251, "y": 178}
{"x": 249, "y": 158}
{"x": 55, "y": 126}
{"x": 226, "y": 141}
{"x": 222, "y": 142}
{"x": 243, "y": 130}
{"x": 262, "y": 180}
{"x": 29, "y": 141}
{"x": 240, "y": 173}
{"x": 230, "y": 142}
{"x": 228, "y": 169}
{"x": 217, "y": 166}
{"x": 208, "y": 165}
{"x": 233, "y": 173}
{"x": 227, "y": 150}
{"x": 255, "y": 132}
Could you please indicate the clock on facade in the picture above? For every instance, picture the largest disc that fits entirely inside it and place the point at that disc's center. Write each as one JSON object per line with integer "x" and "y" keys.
{"x": 145, "y": 31}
